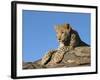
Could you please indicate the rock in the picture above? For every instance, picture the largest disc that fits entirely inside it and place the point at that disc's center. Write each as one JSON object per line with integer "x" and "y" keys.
{"x": 82, "y": 51}
{"x": 28, "y": 65}
{"x": 80, "y": 56}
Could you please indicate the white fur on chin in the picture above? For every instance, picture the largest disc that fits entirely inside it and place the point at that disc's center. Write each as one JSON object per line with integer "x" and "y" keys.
{"x": 60, "y": 45}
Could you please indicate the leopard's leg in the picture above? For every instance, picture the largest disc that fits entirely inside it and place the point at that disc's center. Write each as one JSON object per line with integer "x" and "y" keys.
{"x": 46, "y": 58}
{"x": 59, "y": 55}
{"x": 73, "y": 42}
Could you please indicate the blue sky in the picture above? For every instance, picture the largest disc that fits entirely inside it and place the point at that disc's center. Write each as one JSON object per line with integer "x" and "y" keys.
{"x": 39, "y": 35}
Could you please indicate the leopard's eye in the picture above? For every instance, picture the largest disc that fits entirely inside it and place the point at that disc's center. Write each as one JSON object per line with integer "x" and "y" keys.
{"x": 62, "y": 32}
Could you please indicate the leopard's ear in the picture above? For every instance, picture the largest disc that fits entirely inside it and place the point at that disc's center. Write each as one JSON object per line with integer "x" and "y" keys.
{"x": 68, "y": 27}
{"x": 56, "y": 27}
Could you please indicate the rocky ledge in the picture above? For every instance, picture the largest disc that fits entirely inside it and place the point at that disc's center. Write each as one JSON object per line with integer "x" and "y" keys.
{"x": 80, "y": 56}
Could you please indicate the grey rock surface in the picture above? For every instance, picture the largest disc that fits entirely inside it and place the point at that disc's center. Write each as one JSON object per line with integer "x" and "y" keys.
{"x": 80, "y": 56}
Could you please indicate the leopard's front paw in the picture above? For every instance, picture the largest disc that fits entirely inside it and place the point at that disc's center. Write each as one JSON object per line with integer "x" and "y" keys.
{"x": 46, "y": 58}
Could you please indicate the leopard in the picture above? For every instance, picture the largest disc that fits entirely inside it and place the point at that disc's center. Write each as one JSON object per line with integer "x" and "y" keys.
{"x": 67, "y": 36}
{"x": 68, "y": 39}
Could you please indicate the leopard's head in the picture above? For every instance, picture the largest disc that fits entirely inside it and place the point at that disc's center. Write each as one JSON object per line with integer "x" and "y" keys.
{"x": 63, "y": 33}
